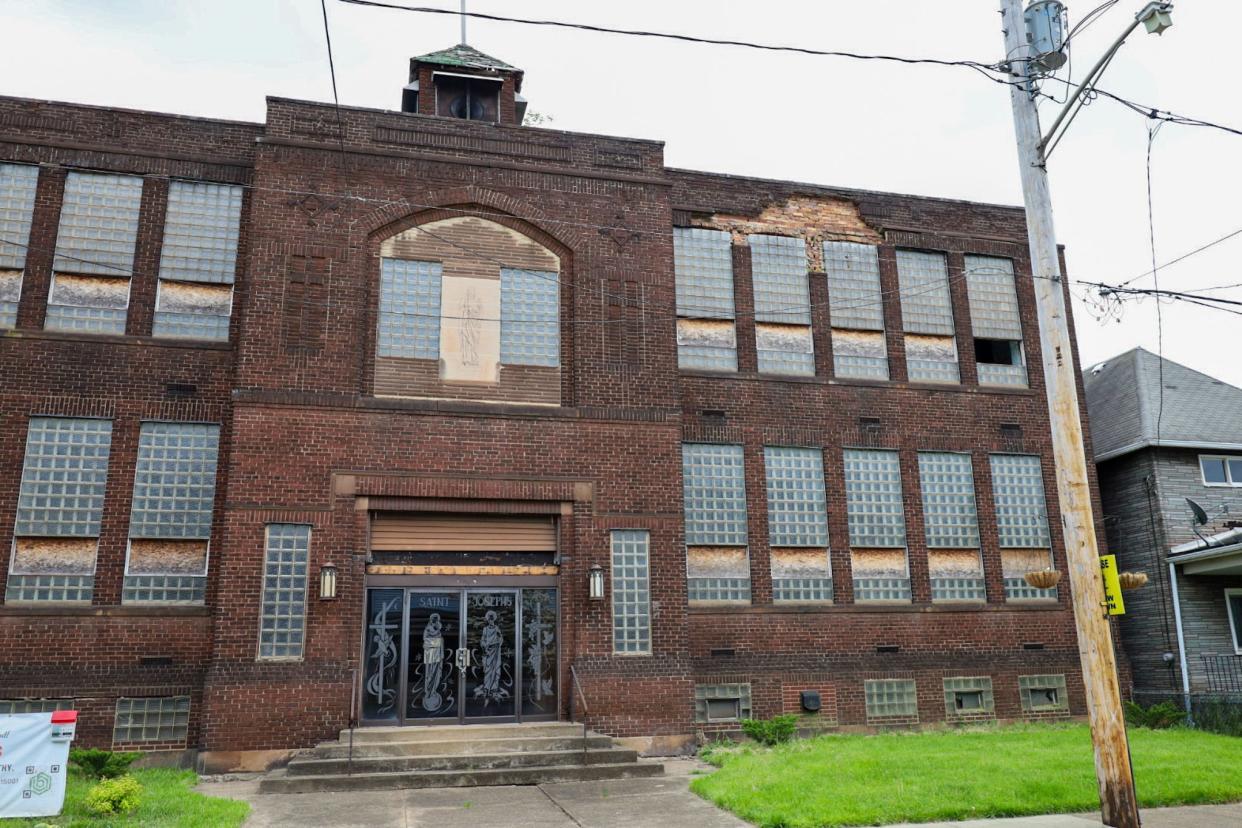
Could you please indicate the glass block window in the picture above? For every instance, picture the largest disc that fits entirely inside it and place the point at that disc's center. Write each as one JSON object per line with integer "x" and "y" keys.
{"x": 157, "y": 719}
{"x": 958, "y": 589}
{"x": 873, "y": 498}
{"x": 860, "y": 354}
{"x": 993, "y": 298}
{"x": 631, "y": 599}
{"x": 63, "y": 477}
{"x": 200, "y": 232}
{"x": 968, "y": 696}
{"x": 164, "y": 589}
{"x": 1021, "y": 510}
{"x": 10, "y": 295}
{"x": 926, "y": 307}
{"x": 1043, "y": 693}
{"x": 11, "y": 707}
{"x": 98, "y": 224}
{"x": 282, "y": 627}
{"x": 1017, "y": 589}
{"x": 797, "y": 504}
{"x": 715, "y": 494}
{"x": 191, "y": 310}
{"x": 721, "y": 702}
{"x": 891, "y": 698}
{"x": 854, "y": 297}
{"x": 779, "y": 273}
{"x": 706, "y": 344}
{"x": 409, "y": 309}
{"x": 949, "y": 514}
{"x": 87, "y": 304}
{"x": 881, "y": 589}
{"x": 53, "y": 588}
{"x": 530, "y": 318}
{"x": 175, "y": 480}
{"x": 736, "y": 590}
{"x": 17, "y": 196}
{"x": 785, "y": 349}
{"x": 802, "y": 589}
{"x": 703, "y": 264}
{"x": 1011, "y": 374}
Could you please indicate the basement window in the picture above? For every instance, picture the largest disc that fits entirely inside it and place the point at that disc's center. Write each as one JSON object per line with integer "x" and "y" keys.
{"x": 721, "y": 702}
{"x": 1043, "y": 693}
{"x": 968, "y": 701}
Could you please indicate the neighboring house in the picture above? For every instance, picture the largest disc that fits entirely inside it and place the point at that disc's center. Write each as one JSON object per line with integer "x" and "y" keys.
{"x": 1155, "y": 446}
{"x": 412, "y": 416}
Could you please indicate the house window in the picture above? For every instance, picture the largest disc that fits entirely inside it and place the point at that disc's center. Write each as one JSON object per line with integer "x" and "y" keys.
{"x": 631, "y": 598}
{"x": 717, "y": 560}
{"x": 59, "y": 509}
{"x": 282, "y": 627}
{"x": 530, "y": 314}
{"x": 721, "y": 702}
{"x": 891, "y": 699}
{"x": 856, "y": 308}
{"x": 994, "y": 320}
{"x": 873, "y": 498}
{"x": 17, "y": 195}
{"x": 409, "y": 309}
{"x": 1233, "y": 605}
{"x": 703, "y": 264}
{"x": 782, "y": 305}
{"x": 1221, "y": 470}
{"x": 198, "y": 261}
{"x": 927, "y": 317}
{"x": 11, "y": 707}
{"x": 1043, "y": 693}
{"x": 170, "y": 520}
{"x": 145, "y": 720}
{"x": 94, "y": 253}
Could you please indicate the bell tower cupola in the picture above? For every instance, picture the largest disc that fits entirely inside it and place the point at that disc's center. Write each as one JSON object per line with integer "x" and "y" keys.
{"x": 462, "y": 82}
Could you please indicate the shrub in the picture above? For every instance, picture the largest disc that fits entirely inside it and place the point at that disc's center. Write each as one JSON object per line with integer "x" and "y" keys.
{"x": 771, "y": 731}
{"x": 1219, "y": 714}
{"x": 1158, "y": 716}
{"x": 113, "y": 796}
{"x": 102, "y": 764}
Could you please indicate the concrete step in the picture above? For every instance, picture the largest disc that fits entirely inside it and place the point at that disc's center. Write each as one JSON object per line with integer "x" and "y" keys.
{"x": 442, "y": 733}
{"x": 459, "y": 747}
{"x": 316, "y": 766}
{"x": 283, "y": 782}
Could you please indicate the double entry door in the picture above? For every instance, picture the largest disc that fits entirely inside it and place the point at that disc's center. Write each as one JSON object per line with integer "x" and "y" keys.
{"x": 441, "y": 656}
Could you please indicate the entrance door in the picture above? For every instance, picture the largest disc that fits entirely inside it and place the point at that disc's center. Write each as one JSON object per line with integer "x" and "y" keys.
{"x": 442, "y": 656}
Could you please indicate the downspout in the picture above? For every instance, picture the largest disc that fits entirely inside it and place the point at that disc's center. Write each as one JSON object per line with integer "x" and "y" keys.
{"x": 1181, "y": 638}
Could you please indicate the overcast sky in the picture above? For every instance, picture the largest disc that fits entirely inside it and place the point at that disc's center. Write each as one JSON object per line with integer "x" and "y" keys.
{"x": 912, "y": 129}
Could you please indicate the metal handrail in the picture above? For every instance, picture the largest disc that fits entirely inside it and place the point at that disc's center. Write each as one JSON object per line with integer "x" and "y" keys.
{"x": 579, "y": 693}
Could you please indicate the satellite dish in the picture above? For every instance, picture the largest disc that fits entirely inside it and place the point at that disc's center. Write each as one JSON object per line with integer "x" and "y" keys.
{"x": 1201, "y": 517}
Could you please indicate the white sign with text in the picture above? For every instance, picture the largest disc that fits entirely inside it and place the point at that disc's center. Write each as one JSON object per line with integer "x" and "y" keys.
{"x": 34, "y": 762}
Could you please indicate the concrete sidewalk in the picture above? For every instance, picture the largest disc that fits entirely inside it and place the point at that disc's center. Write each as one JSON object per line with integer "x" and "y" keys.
{"x": 658, "y": 802}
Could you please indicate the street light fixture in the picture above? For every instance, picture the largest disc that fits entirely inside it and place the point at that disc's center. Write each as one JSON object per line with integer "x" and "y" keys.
{"x": 1156, "y": 17}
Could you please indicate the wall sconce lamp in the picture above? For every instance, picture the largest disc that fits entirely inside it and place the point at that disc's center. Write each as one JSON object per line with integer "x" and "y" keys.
{"x": 327, "y": 582}
{"x": 597, "y": 583}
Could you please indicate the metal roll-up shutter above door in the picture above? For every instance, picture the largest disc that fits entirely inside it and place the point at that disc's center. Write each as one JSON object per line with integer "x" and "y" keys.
{"x": 413, "y": 532}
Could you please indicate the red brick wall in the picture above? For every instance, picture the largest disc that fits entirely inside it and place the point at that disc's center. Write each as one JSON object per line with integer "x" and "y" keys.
{"x": 304, "y": 437}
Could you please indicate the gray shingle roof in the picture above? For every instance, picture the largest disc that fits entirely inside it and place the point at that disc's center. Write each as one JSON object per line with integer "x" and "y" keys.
{"x": 1123, "y": 401}
{"x": 465, "y": 56}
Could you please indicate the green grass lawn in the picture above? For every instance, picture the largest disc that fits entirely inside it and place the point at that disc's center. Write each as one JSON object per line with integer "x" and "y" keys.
{"x": 962, "y": 774}
{"x": 167, "y": 802}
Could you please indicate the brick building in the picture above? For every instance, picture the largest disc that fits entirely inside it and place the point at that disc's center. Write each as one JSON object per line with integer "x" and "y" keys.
{"x": 422, "y": 415}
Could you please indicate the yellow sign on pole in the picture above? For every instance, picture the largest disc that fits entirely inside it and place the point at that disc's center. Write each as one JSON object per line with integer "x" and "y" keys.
{"x": 1112, "y": 586}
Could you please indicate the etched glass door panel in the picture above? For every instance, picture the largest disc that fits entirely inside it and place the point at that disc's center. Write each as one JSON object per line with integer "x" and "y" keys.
{"x": 382, "y": 669}
{"x": 491, "y": 621}
{"x": 538, "y": 637}
{"x": 431, "y": 668}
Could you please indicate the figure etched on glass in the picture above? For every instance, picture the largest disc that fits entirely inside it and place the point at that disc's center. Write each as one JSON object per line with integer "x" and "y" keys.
{"x": 492, "y": 643}
{"x": 433, "y": 663}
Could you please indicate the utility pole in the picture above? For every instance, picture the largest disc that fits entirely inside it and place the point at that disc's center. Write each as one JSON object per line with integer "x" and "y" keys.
{"x": 1118, "y": 802}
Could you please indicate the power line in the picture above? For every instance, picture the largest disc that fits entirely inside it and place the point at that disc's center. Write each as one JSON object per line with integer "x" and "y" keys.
{"x": 327, "y": 34}
{"x": 983, "y": 68}
{"x": 1185, "y": 256}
